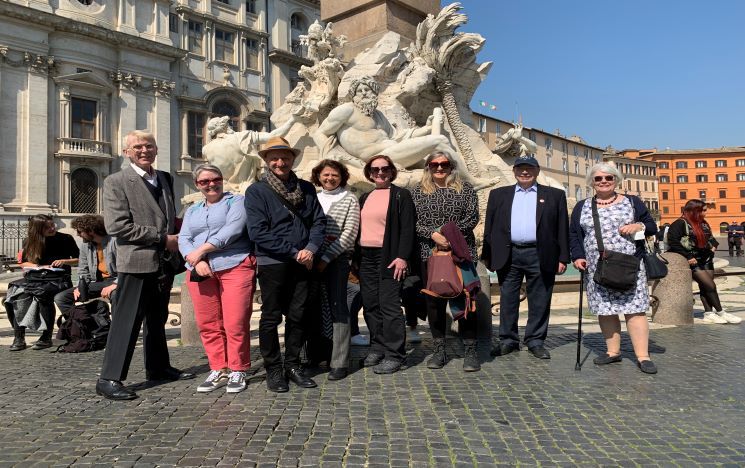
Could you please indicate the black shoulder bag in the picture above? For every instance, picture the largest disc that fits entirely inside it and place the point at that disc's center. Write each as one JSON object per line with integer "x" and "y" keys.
{"x": 654, "y": 264}
{"x": 615, "y": 270}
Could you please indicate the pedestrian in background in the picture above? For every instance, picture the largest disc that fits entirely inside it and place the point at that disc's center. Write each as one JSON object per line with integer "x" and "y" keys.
{"x": 691, "y": 237}
{"x": 221, "y": 279}
{"x": 96, "y": 269}
{"x": 622, "y": 218}
{"x": 43, "y": 248}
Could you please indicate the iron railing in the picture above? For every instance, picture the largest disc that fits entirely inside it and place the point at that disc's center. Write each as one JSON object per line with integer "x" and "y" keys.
{"x": 12, "y": 233}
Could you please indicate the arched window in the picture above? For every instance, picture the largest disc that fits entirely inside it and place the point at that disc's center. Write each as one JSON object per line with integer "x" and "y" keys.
{"x": 83, "y": 191}
{"x": 297, "y": 22}
{"x": 226, "y": 108}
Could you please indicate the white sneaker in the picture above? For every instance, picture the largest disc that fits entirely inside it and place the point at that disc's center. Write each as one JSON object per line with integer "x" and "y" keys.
{"x": 729, "y": 318}
{"x": 216, "y": 379}
{"x": 360, "y": 340}
{"x": 712, "y": 317}
{"x": 236, "y": 382}
{"x": 413, "y": 337}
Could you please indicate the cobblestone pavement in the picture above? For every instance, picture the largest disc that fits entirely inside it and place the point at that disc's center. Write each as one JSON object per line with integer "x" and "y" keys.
{"x": 517, "y": 410}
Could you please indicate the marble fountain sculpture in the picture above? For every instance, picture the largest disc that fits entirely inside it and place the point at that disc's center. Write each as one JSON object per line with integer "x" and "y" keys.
{"x": 402, "y": 100}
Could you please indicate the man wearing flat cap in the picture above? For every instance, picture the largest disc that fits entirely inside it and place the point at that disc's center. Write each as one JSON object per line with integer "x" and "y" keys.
{"x": 287, "y": 225}
{"x": 526, "y": 236}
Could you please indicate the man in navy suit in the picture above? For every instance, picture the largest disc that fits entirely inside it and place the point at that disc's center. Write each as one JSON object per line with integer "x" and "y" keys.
{"x": 526, "y": 236}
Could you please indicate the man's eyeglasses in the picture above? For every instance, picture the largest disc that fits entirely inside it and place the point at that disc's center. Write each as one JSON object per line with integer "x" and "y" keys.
{"x": 607, "y": 178}
{"x": 206, "y": 182}
{"x": 138, "y": 148}
{"x": 434, "y": 165}
{"x": 381, "y": 170}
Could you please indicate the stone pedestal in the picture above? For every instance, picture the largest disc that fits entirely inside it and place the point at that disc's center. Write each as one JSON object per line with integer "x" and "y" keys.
{"x": 673, "y": 294}
{"x": 366, "y": 21}
{"x": 189, "y": 329}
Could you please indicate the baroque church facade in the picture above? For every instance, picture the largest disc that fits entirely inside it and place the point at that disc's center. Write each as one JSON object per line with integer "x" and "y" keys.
{"x": 77, "y": 75}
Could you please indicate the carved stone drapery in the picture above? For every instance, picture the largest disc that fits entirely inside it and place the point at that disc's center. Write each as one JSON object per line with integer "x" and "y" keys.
{"x": 35, "y": 63}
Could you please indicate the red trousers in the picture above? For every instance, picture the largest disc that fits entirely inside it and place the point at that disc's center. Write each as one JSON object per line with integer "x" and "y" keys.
{"x": 222, "y": 310}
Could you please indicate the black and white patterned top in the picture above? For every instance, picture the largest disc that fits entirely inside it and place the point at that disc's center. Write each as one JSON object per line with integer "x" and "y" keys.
{"x": 443, "y": 206}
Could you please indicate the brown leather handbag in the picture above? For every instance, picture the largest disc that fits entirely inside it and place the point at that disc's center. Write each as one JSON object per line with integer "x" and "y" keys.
{"x": 444, "y": 278}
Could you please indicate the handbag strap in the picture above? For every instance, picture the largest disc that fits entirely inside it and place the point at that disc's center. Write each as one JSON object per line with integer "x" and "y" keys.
{"x": 307, "y": 222}
{"x": 596, "y": 222}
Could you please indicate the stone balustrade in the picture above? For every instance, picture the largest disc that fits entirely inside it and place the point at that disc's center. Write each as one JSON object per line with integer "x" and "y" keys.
{"x": 84, "y": 147}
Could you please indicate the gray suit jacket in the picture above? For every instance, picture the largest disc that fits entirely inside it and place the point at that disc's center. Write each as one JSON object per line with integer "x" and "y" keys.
{"x": 133, "y": 216}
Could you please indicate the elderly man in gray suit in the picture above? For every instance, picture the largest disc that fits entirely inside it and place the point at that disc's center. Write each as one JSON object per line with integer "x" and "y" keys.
{"x": 139, "y": 210}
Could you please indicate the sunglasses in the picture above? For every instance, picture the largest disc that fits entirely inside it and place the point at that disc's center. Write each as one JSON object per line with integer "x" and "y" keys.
{"x": 607, "y": 178}
{"x": 206, "y": 182}
{"x": 381, "y": 170}
{"x": 444, "y": 165}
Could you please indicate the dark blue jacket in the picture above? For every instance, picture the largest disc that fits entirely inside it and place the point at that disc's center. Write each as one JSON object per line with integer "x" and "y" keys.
{"x": 577, "y": 235}
{"x": 277, "y": 233}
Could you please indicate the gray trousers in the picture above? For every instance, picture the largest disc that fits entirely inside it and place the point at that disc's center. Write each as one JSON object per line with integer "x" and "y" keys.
{"x": 336, "y": 275}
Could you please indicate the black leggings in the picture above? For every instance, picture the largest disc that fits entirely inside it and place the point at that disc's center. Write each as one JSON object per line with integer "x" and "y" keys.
{"x": 703, "y": 275}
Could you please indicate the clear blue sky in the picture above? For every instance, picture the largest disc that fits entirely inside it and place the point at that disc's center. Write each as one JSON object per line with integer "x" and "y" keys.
{"x": 629, "y": 73}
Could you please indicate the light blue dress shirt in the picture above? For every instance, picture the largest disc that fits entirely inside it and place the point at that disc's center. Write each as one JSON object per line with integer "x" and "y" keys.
{"x": 523, "y": 214}
{"x": 223, "y": 225}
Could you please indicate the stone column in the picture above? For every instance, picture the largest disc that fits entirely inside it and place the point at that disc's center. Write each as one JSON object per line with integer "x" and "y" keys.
{"x": 189, "y": 329}
{"x": 36, "y": 152}
{"x": 366, "y": 21}
{"x": 672, "y": 296}
{"x": 162, "y": 129}
{"x": 127, "y": 116}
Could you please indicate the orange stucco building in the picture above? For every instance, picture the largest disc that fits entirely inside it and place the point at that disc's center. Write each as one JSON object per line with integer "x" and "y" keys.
{"x": 716, "y": 176}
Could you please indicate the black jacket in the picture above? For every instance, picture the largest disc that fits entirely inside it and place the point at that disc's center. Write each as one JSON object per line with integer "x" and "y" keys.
{"x": 400, "y": 227}
{"x": 577, "y": 235}
{"x": 678, "y": 230}
{"x": 552, "y": 228}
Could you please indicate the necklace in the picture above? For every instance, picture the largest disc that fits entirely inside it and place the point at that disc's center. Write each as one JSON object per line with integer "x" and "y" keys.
{"x": 615, "y": 195}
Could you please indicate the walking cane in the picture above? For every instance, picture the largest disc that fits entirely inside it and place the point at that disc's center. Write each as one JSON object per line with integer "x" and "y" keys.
{"x": 578, "y": 366}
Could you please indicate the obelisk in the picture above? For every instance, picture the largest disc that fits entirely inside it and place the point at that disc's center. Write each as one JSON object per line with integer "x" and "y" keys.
{"x": 366, "y": 21}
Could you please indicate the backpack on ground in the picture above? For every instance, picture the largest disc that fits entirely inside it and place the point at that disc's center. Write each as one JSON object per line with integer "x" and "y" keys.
{"x": 84, "y": 327}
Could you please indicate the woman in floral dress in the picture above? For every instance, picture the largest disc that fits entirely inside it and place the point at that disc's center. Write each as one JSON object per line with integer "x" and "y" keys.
{"x": 621, "y": 218}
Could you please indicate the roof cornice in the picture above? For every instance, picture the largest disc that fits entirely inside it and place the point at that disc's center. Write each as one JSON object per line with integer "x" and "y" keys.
{"x": 59, "y": 23}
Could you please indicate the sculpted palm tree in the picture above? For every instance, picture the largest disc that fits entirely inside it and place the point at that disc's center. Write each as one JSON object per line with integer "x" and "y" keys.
{"x": 449, "y": 53}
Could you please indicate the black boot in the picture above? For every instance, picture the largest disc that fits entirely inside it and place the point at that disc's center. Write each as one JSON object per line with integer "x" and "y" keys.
{"x": 19, "y": 342}
{"x": 438, "y": 359}
{"x": 45, "y": 341}
{"x": 471, "y": 359}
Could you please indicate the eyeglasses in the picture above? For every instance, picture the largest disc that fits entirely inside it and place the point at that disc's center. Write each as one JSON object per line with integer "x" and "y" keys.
{"x": 607, "y": 178}
{"x": 444, "y": 165}
{"x": 206, "y": 182}
{"x": 139, "y": 148}
{"x": 381, "y": 170}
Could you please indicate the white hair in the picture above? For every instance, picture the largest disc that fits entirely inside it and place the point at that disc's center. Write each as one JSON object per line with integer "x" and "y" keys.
{"x": 608, "y": 169}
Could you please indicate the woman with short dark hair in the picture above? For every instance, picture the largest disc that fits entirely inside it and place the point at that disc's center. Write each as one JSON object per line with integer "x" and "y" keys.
{"x": 691, "y": 237}
{"x": 342, "y": 225}
{"x": 221, "y": 279}
{"x": 386, "y": 243}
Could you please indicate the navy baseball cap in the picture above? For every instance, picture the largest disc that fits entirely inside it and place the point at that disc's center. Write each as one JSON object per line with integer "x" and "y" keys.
{"x": 526, "y": 160}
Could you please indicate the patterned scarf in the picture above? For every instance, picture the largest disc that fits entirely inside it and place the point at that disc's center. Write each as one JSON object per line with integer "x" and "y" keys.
{"x": 295, "y": 197}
